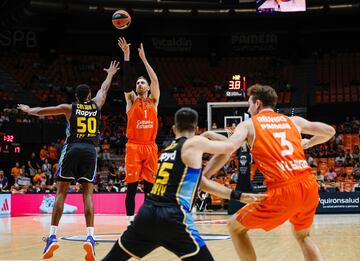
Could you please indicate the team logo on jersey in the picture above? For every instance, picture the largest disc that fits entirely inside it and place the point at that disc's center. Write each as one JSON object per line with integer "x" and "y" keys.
{"x": 144, "y": 124}
{"x": 243, "y": 160}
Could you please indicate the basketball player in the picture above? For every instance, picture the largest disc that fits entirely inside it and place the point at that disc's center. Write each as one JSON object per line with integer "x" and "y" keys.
{"x": 165, "y": 218}
{"x": 142, "y": 126}
{"x": 78, "y": 157}
{"x": 277, "y": 149}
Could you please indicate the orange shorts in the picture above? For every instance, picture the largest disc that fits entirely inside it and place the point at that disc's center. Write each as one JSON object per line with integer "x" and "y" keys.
{"x": 296, "y": 200}
{"x": 140, "y": 162}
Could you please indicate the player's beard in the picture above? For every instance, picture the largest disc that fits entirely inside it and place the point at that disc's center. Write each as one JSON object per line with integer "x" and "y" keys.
{"x": 141, "y": 91}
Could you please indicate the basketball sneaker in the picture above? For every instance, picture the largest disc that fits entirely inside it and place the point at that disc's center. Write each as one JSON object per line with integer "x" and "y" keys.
{"x": 89, "y": 247}
{"x": 51, "y": 246}
{"x": 48, "y": 203}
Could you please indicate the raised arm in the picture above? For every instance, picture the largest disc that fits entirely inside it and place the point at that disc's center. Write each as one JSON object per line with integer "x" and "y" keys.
{"x": 321, "y": 132}
{"x": 100, "y": 97}
{"x": 129, "y": 94}
{"x": 154, "y": 85}
{"x": 47, "y": 111}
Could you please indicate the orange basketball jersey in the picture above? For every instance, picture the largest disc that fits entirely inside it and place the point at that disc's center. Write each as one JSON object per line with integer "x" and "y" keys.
{"x": 277, "y": 149}
{"x": 142, "y": 122}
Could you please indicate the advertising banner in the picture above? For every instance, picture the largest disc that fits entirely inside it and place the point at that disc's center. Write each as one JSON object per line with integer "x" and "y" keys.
{"x": 5, "y": 204}
{"x": 336, "y": 203}
{"x": 104, "y": 203}
{"x": 340, "y": 202}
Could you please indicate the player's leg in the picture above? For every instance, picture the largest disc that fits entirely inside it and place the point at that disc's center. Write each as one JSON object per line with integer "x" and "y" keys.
{"x": 86, "y": 174}
{"x": 64, "y": 175}
{"x": 89, "y": 245}
{"x": 130, "y": 200}
{"x": 267, "y": 215}
{"x": 51, "y": 241}
{"x": 133, "y": 165}
{"x": 139, "y": 239}
{"x": 303, "y": 219}
{"x": 61, "y": 193}
{"x": 309, "y": 248}
{"x": 128, "y": 246}
{"x": 241, "y": 240}
{"x": 203, "y": 254}
{"x": 87, "y": 190}
{"x": 185, "y": 240}
{"x": 117, "y": 254}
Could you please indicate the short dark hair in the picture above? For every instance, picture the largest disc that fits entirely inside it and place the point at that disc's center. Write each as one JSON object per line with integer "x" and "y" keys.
{"x": 82, "y": 92}
{"x": 186, "y": 119}
{"x": 143, "y": 77}
{"x": 264, "y": 93}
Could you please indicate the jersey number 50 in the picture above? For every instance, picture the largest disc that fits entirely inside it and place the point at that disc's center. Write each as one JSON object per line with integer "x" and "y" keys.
{"x": 86, "y": 125}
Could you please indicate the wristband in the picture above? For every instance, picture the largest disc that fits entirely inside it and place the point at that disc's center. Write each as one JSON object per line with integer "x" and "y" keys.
{"x": 235, "y": 194}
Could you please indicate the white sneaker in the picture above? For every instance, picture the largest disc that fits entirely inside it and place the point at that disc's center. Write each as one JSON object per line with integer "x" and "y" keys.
{"x": 48, "y": 203}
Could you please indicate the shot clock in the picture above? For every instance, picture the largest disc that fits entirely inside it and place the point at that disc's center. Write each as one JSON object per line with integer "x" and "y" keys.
{"x": 236, "y": 86}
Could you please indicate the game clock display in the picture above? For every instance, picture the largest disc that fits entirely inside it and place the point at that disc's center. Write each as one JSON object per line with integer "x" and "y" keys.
{"x": 236, "y": 86}
{"x": 8, "y": 144}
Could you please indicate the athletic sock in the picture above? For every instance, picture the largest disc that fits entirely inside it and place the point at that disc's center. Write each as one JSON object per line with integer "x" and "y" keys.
{"x": 53, "y": 230}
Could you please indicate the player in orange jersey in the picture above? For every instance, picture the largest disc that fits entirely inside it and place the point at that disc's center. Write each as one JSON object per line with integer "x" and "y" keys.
{"x": 142, "y": 126}
{"x": 277, "y": 149}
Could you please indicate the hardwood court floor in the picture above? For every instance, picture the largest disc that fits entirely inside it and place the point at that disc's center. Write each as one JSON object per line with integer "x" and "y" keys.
{"x": 338, "y": 237}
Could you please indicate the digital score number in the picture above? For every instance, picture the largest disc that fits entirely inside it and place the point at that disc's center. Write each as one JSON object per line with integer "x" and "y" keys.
{"x": 8, "y": 144}
{"x": 236, "y": 86}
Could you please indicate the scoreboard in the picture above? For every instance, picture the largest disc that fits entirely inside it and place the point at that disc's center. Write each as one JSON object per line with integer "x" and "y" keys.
{"x": 9, "y": 144}
{"x": 236, "y": 86}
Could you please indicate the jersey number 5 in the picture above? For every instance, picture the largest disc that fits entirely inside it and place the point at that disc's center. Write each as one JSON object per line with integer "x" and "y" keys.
{"x": 162, "y": 179}
{"x": 284, "y": 143}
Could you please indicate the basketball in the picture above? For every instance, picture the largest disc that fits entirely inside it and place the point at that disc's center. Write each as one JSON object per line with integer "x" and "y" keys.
{"x": 121, "y": 19}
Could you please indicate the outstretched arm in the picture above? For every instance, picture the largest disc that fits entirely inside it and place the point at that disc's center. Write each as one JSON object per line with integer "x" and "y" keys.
{"x": 47, "y": 111}
{"x": 221, "y": 191}
{"x": 154, "y": 86}
{"x": 211, "y": 135}
{"x": 321, "y": 132}
{"x": 126, "y": 84}
{"x": 105, "y": 86}
{"x": 218, "y": 161}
